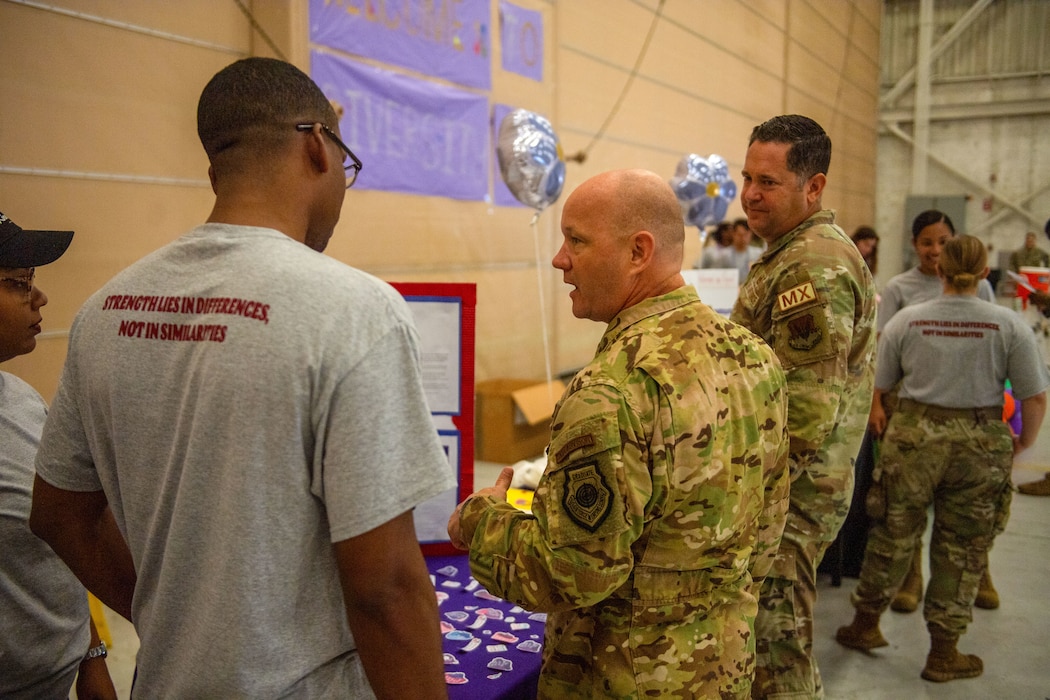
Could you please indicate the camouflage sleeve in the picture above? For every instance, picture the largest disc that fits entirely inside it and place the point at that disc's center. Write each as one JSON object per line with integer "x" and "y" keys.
{"x": 574, "y": 549}
{"x": 813, "y": 326}
{"x": 776, "y": 492}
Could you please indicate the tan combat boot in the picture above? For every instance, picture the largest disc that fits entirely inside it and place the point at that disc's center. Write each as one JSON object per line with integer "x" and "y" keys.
{"x": 987, "y": 596}
{"x": 863, "y": 633}
{"x": 1036, "y": 488}
{"x": 945, "y": 663}
{"x": 910, "y": 593}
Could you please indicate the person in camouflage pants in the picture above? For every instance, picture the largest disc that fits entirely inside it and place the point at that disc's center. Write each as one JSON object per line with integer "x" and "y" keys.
{"x": 666, "y": 485}
{"x": 812, "y": 298}
{"x": 946, "y": 445}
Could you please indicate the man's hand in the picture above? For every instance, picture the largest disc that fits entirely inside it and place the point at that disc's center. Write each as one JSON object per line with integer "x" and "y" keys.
{"x": 497, "y": 491}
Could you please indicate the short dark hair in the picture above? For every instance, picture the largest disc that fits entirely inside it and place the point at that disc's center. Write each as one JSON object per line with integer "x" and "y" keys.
{"x": 810, "y": 151}
{"x": 928, "y": 218}
{"x": 252, "y": 98}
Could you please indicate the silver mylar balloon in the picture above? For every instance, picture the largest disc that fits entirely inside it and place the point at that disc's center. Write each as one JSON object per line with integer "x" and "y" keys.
{"x": 530, "y": 158}
{"x": 703, "y": 188}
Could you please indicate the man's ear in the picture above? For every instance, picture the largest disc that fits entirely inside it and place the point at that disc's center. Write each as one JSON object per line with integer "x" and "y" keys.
{"x": 643, "y": 247}
{"x": 211, "y": 179}
{"x": 317, "y": 150}
{"x": 815, "y": 187}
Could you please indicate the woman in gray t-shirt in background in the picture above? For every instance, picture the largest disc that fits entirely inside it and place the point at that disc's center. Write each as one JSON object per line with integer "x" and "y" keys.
{"x": 947, "y": 445}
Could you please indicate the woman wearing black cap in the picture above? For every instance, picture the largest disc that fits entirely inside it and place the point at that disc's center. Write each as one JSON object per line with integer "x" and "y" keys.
{"x": 48, "y": 637}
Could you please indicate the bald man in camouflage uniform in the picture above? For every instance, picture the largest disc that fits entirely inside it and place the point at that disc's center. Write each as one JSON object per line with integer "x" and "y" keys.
{"x": 665, "y": 488}
{"x": 811, "y": 297}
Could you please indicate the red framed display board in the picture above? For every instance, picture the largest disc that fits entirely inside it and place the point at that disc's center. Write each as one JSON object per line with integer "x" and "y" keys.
{"x": 444, "y": 315}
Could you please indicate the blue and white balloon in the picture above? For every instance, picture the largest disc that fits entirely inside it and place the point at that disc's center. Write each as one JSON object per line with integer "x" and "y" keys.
{"x": 531, "y": 161}
{"x": 703, "y": 189}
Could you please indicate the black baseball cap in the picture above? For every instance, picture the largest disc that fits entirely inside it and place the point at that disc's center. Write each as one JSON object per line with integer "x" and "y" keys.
{"x": 22, "y": 248}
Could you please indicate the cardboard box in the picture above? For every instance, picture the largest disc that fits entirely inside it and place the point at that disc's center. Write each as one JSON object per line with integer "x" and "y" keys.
{"x": 514, "y": 418}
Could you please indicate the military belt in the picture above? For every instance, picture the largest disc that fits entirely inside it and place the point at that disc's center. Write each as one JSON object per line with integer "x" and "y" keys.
{"x": 980, "y": 414}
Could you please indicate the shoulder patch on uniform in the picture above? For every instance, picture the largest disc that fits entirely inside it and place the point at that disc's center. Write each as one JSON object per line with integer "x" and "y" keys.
{"x": 586, "y": 440}
{"x": 587, "y": 498}
{"x": 804, "y": 333}
{"x": 796, "y": 296}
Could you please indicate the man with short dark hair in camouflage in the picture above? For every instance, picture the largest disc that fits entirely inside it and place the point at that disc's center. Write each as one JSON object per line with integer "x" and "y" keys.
{"x": 665, "y": 487}
{"x": 811, "y": 297}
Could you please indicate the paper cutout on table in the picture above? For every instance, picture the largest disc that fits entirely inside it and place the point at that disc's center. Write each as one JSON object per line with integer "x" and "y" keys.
{"x": 446, "y": 627}
{"x": 491, "y": 613}
{"x": 457, "y": 615}
{"x": 504, "y": 637}
{"x": 459, "y": 635}
{"x": 517, "y": 609}
{"x": 521, "y": 499}
{"x": 472, "y": 585}
{"x": 449, "y": 571}
{"x": 441, "y": 596}
{"x": 496, "y": 648}
{"x": 485, "y": 595}
{"x": 494, "y": 676}
{"x": 455, "y": 678}
{"x": 501, "y": 664}
{"x": 478, "y": 623}
{"x": 472, "y": 644}
{"x": 451, "y": 584}
{"x": 539, "y": 617}
{"x": 520, "y": 626}
{"x": 531, "y": 646}
{"x": 450, "y": 659}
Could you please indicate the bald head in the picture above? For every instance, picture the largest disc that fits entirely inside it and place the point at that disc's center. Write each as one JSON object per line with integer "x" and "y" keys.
{"x": 628, "y": 201}
{"x": 623, "y": 242}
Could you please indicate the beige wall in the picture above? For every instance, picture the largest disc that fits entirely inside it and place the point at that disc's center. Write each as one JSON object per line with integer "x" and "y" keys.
{"x": 97, "y": 133}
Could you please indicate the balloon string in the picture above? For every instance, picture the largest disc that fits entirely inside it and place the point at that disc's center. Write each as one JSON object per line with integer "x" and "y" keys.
{"x": 543, "y": 306}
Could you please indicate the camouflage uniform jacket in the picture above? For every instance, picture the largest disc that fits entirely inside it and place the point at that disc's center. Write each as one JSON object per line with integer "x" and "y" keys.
{"x": 812, "y": 298}
{"x": 663, "y": 497}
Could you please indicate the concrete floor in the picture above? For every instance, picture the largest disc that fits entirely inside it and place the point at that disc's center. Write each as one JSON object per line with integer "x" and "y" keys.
{"x": 1013, "y": 641}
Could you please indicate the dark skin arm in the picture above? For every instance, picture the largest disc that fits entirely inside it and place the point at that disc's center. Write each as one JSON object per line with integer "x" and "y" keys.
{"x": 80, "y": 527}
{"x": 392, "y": 610}
{"x": 93, "y": 681}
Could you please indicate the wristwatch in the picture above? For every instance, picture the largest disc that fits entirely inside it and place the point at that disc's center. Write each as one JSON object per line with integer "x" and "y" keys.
{"x": 98, "y": 652}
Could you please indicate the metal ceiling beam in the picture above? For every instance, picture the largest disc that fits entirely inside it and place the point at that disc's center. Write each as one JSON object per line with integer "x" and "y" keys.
{"x": 908, "y": 79}
{"x": 927, "y": 155}
{"x": 970, "y": 110}
{"x": 1001, "y": 214}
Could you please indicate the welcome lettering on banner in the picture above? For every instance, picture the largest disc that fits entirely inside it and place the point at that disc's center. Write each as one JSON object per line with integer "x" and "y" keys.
{"x": 413, "y": 135}
{"x": 448, "y": 39}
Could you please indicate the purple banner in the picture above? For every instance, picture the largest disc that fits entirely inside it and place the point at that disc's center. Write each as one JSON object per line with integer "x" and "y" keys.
{"x": 412, "y": 135}
{"x": 521, "y": 36}
{"x": 447, "y": 39}
{"x": 502, "y": 195}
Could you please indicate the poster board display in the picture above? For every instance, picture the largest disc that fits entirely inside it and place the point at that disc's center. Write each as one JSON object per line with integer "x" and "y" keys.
{"x": 444, "y": 315}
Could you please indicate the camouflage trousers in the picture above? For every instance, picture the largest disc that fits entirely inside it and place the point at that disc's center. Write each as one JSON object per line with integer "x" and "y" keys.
{"x": 699, "y": 646}
{"x": 820, "y": 501}
{"x": 959, "y": 461}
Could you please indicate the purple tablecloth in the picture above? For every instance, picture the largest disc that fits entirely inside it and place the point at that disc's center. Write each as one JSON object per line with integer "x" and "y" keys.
{"x": 492, "y": 647}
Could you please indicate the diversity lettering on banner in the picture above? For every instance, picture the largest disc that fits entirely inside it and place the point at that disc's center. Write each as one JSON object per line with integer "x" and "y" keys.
{"x": 448, "y": 39}
{"x": 521, "y": 40}
{"x": 414, "y": 136}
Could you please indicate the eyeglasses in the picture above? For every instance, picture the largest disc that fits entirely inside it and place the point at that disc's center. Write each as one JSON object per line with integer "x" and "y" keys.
{"x": 352, "y": 168}
{"x": 25, "y": 283}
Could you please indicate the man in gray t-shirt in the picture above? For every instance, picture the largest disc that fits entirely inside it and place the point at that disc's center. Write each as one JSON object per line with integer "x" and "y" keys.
{"x": 253, "y": 413}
